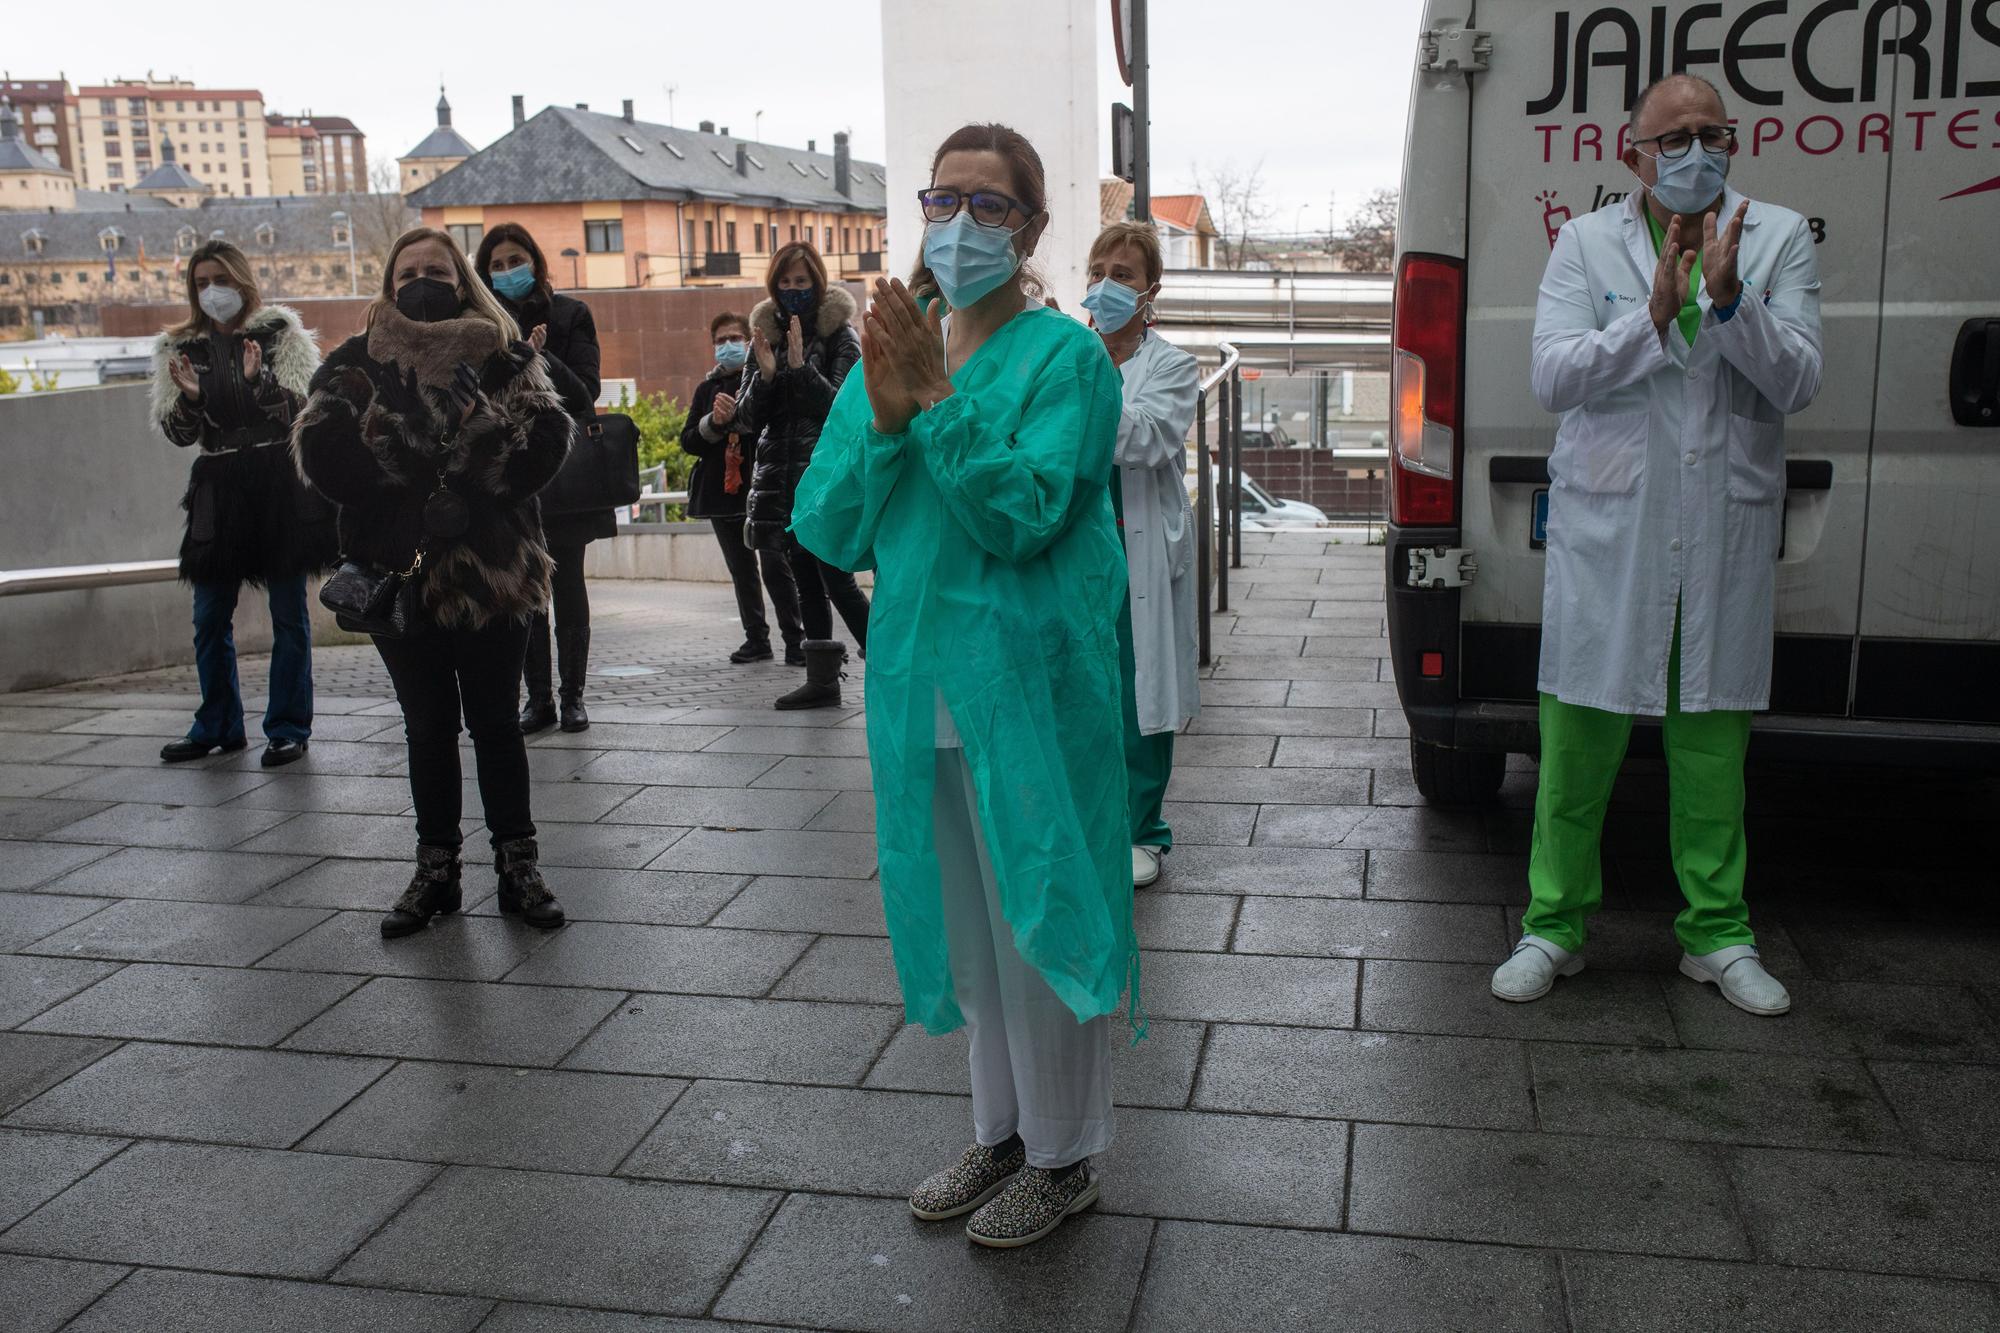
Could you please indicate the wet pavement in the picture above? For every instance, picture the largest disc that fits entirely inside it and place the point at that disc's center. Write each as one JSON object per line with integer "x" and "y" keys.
{"x": 226, "y": 1103}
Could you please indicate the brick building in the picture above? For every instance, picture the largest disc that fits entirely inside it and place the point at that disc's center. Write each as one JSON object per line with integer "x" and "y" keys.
{"x": 48, "y": 116}
{"x": 220, "y": 132}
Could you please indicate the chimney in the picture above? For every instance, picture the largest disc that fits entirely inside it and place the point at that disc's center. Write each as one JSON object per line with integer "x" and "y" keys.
{"x": 520, "y": 110}
{"x": 843, "y": 170}
{"x": 628, "y": 111}
{"x": 724, "y": 131}
{"x": 812, "y": 145}
{"x": 707, "y": 127}
{"x": 742, "y": 160}
{"x": 583, "y": 106}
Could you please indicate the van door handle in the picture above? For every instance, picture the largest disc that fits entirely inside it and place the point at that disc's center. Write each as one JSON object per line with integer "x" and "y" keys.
{"x": 1518, "y": 469}
{"x": 1975, "y": 373}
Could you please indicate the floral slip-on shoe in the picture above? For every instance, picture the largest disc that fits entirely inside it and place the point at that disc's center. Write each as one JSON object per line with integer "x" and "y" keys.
{"x": 1033, "y": 1206}
{"x": 977, "y": 1177}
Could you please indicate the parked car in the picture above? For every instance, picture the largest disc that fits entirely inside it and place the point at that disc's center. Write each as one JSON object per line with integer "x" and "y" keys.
{"x": 1887, "y": 619}
{"x": 1263, "y": 511}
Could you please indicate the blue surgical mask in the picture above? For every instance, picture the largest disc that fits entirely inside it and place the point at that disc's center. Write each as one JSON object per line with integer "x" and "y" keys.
{"x": 514, "y": 283}
{"x": 1111, "y": 305}
{"x": 797, "y": 300}
{"x": 968, "y": 260}
{"x": 732, "y": 355}
{"x": 1692, "y": 181}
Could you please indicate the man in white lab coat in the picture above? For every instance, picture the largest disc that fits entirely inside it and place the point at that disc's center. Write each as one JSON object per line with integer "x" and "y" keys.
{"x": 1674, "y": 335}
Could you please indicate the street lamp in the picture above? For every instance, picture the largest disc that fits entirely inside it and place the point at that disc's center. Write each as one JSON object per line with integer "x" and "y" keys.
{"x": 342, "y": 222}
{"x": 569, "y": 253}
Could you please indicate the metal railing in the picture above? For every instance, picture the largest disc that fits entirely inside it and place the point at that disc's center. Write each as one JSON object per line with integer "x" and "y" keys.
{"x": 1214, "y": 560}
{"x": 78, "y": 578}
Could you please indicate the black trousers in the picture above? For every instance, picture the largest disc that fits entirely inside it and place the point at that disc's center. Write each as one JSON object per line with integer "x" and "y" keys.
{"x": 820, "y": 583}
{"x": 571, "y": 594}
{"x": 744, "y": 564}
{"x": 438, "y": 674}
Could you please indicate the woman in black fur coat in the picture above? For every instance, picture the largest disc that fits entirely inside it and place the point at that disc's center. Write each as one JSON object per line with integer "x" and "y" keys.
{"x": 432, "y": 430}
{"x": 229, "y": 379}
{"x": 560, "y": 327}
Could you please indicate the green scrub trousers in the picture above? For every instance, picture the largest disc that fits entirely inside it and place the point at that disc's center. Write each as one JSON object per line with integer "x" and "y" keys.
{"x": 1582, "y": 749}
{"x": 1149, "y": 760}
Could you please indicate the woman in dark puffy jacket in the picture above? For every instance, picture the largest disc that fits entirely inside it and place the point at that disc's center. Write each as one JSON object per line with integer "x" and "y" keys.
{"x": 803, "y": 345}
{"x": 432, "y": 430}
{"x": 230, "y": 378}
{"x": 561, "y": 329}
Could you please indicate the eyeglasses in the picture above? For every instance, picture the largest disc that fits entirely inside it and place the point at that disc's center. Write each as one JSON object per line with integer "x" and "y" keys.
{"x": 989, "y": 208}
{"x": 1675, "y": 143}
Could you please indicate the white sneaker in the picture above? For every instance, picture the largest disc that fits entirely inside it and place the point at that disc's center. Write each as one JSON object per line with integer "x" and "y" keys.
{"x": 1145, "y": 867}
{"x": 1740, "y": 976}
{"x": 1531, "y": 971}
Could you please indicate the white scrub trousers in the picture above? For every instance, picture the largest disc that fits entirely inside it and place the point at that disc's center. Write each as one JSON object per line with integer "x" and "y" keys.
{"x": 1036, "y": 1071}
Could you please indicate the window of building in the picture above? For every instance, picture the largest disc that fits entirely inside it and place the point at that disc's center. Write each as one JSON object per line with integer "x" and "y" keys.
{"x": 315, "y": 270}
{"x": 56, "y": 278}
{"x": 244, "y": 150}
{"x": 757, "y": 236}
{"x": 239, "y": 108}
{"x": 32, "y": 241}
{"x": 116, "y": 171}
{"x": 672, "y": 149}
{"x": 846, "y": 241}
{"x": 708, "y": 235}
{"x": 723, "y": 158}
{"x": 107, "y": 106}
{"x": 604, "y": 237}
{"x": 110, "y": 240}
{"x": 136, "y": 105}
{"x": 264, "y": 270}
{"x": 246, "y": 171}
{"x": 467, "y": 234}
{"x": 185, "y": 240}
{"x": 795, "y": 232}
{"x": 688, "y": 248}
{"x": 630, "y": 143}
{"x": 796, "y": 167}
{"x": 827, "y": 248}
{"x": 83, "y": 277}
{"x": 114, "y": 149}
{"x": 180, "y": 106}
{"x": 110, "y": 129}
{"x": 729, "y": 236}
{"x": 266, "y": 234}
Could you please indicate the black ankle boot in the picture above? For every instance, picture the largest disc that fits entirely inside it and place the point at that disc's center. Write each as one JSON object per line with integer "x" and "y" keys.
{"x": 434, "y": 891}
{"x": 572, "y": 661}
{"x": 522, "y": 892}
{"x": 824, "y": 658}
{"x": 539, "y": 713}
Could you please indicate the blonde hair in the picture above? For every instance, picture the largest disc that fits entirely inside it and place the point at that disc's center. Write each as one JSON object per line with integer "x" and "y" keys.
{"x": 237, "y": 265}
{"x": 480, "y": 302}
{"x": 1141, "y": 236}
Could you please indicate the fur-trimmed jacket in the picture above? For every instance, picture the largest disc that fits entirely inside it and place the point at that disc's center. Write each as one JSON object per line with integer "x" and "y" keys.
{"x": 249, "y": 516}
{"x": 784, "y": 413}
{"x": 375, "y": 436}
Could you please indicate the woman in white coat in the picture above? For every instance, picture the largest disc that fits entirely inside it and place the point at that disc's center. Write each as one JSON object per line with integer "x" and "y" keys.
{"x": 1156, "y": 632}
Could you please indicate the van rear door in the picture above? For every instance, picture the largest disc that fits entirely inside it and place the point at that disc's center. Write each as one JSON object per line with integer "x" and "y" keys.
{"x": 1930, "y": 604}
{"x": 1549, "y": 124}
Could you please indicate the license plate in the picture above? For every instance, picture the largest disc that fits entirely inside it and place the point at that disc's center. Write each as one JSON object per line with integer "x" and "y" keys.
{"x": 1538, "y": 525}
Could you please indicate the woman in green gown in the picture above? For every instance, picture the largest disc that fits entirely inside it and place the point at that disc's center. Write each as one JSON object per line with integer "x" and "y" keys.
{"x": 968, "y": 466}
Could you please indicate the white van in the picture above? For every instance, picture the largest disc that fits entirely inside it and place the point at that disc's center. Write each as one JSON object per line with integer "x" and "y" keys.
{"x": 1888, "y": 585}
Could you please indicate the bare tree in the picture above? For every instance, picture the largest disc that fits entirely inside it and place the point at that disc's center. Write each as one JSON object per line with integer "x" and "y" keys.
{"x": 380, "y": 216}
{"x": 1370, "y": 243}
{"x": 1239, "y": 204}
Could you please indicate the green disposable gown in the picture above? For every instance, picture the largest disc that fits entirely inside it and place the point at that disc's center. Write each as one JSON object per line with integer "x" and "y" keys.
{"x": 999, "y": 575}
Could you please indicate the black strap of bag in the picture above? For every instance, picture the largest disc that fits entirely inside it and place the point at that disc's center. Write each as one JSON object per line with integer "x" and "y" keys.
{"x": 369, "y": 599}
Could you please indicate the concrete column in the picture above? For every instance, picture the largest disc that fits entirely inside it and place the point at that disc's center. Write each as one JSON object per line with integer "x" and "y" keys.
{"x": 1030, "y": 64}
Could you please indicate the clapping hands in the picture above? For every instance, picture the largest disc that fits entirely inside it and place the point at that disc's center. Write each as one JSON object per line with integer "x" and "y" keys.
{"x": 902, "y": 356}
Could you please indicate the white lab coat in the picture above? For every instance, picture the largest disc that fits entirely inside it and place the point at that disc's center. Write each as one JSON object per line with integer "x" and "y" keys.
{"x": 1162, "y": 384}
{"x": 1667, "y": 481}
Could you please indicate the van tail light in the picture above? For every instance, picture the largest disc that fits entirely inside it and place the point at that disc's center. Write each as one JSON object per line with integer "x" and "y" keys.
{"x": 1425, "y": 386}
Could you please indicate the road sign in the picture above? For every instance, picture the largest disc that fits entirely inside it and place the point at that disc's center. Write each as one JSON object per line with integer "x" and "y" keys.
{"x": 1123, "y": 164}
{"x": 1121, "y": 38}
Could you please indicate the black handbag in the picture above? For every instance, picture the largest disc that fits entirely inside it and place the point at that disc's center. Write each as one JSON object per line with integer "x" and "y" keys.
{"x": 602, "y": 470}
{"x": 367, "y": 599}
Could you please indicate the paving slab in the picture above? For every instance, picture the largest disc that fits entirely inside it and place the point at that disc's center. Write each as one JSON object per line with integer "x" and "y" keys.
{"x": 1845, "y": 946}
{"x": 597, "y": 846}
{"x": 1617, "y": 1293}
{"x": 1288, "y": 871}
{"x": 678, "y": 770}
{"x": 30, "y": 985}
{"x": 1880, "y": 1214}
{"x": 814, "y": 742}
{"x": 24, "y": 779}
{"x": 21, "y": 747}
{"x": 566, "y": 801}
{"x": 25, "y": 865}
{"x": 167, "y": 723}
{"x": 330, "y": 793}
{"x": 161, "y": 1301}
{"x": 515, "y": 1317}
{"x": 1234, "y": 988}
{"x": 1636, "y": 941}
{"x": 1712, "y": 1096}
{"x": 819, "y": 773}
{"x": 1185, "y": 921}
{"x": 1230, "y": 692}
{"x": 679, "y": 959}
{"x": 1621, "y": 1008}
{"x": 1270, "y": 786}
{"x": 1159, "y": 1071}
{"x": 162, "y": 1002}
{"x": 161, "y": 785}
{"x": 32, "y": 1063}
{"x": 836, "y": 1140}
{"x": 1844, "y": 1018}
{"x": 1447, "y": 877}
{"x": 847, "y": 812}
{"x": 187, "y": 876}
{"x": 1222, "y": 751}
{"x": 1280, "y": 721}
{"x": 640, "y": 897}
{"x": 266, "y": 1099}
{"x": 482, "y": 1022}
{"x": 224, "y": 934}
{"x": 717, "y": 807}
{"x": 772, "y": 852}
{"x": 34, "y": 1168}
{"x": 632, "y": 738}
{"x": 457, "y": 947}
{"x": 854, "y": 968}
{"x": 27, "y": 917}
{"x": 341, "y": 882}
{"x": 41, "y": 1295}
{"x": 818, "y": 906}
{"x": 782, "y": 1041}
{"x": 1342, "y": 751}
{"x": 619, "y": 1244}
{"x": 485, "y": 1115}
{"x": 1196, "y": 824}
{"x": 359, "y": 759}
{"x": 1229, "y": 1279}
{"x": 1376, "y": 1076}
{"x": 1263, "y": 1169}
{"x": 867, "y": 1264}
{"x": 1948, "y": 1110}
{"x": 1332, "y": 928}
{"x": 14, "y": 717}
{"x": 379, "y": 837}
{"x": 232, "y": 1210}
{"x": 190, "y": 826}
{"x": 33, "y": 816}
{"x": 1543, "y": 1190}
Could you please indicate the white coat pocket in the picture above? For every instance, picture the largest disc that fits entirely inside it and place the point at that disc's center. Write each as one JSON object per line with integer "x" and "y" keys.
{"x": 1756, "y": 460}
{"x": 1600, "y": 453}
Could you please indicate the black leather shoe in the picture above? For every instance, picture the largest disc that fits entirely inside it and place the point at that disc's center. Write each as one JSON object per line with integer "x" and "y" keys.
{"x": 279, "y": 753}
{"x": 795, "y": 656}
{"x": 751, "y": 652}
{"x": 539, "y": 715}
{"x": 179, "y": 752}
{"x": 574, "y": 717}
{"x": 434, "y": 891}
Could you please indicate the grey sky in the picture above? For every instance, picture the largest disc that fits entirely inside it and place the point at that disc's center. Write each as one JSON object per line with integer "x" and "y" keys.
{"x": 1316, "y": 90}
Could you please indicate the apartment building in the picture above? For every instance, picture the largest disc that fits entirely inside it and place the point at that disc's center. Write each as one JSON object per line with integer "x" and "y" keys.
{"x": 220, "y": 132}
{"x": 48, "y": 116}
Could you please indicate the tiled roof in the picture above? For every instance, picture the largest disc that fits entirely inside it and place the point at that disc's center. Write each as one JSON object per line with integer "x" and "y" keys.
{"x": 444, "y": 141}
{"x": 116, "y": 201}
{"x": 565, "y": 156}
{"x": 167, "y": 94}
{"x": 171, "y": 175}
{"x": 1186, "y": 211}
{"x": 299, "y": 226}
{"x": 332, "y": 124}
{"x": 1114, "y": 199}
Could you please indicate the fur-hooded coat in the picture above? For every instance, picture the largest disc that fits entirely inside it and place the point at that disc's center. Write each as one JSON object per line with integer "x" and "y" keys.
{"x": 249, "y": 515}
{"x": 373, "y": 437}
{"x": 784, "y": 414}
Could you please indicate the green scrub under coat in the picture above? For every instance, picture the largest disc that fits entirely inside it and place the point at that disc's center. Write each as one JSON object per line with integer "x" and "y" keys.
{"x": 999, "y": 576}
